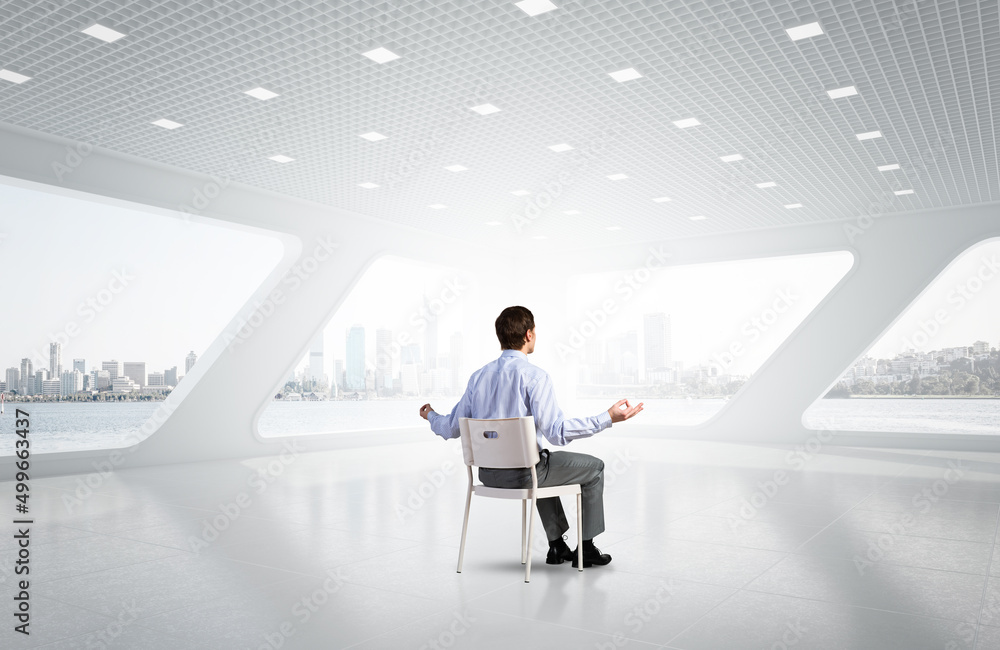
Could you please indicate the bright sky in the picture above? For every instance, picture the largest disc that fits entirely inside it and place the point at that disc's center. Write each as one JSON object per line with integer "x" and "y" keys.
{"x": 185, "y": 281}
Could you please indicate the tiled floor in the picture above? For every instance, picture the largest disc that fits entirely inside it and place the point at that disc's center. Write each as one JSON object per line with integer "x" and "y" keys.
{"x": 715, "y": 546}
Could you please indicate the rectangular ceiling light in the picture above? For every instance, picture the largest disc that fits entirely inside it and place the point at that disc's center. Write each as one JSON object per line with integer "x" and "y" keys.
{"x": 106, "y": 34}
{"x": 368, "y": 186}
{"x": 617, "y": 177}
{"x": 902, "y": 192}
{"x": 766, "y": 185}
{"x": 804, "y": 31}
{"x": 625, "y": 75}
{"x": 560, "y": 147}
{"x": 13, "y": 77}
{"x": 520, "y": 192}
{"x": 372, "y": 136}
{"x": 261, "y": 93}
{"x": 846, "y": 91}
{"x": 870, "y": 135}
{"x": 381, "y": 55}
{"x": 698, "y": 217}
{"x": 281, "y": 158}
{"x": 167, "y": 124}
{"x": 535, "y": 7}
{"x": 456, "y": 168}
{"x": 485, "y": 109}
{"x": 733, "y": 158}
{"x": 689, "y": 122}
{"x": 661, "y": 199}
{"x": 792, "y": 206}
{"x": 888, "y": 168}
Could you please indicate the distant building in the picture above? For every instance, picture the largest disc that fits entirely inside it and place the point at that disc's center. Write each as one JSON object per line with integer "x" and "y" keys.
{"x": 355, "y": 358}
{"x": 170, "y": 376}
{"x": 980, "y": 347}
{"x": 656, "y": 344}
{"x": 80, "y": 364}
{"x": 189, "y": 361}
{"x": 51, "y": 387}
{"x": 456, "y": 354}
{"x": 136, "y": 371}
{"x": 113, "y": 368}
{"x": 156, "y": 379}
{"x": 55, "y": 360}
{"x": 71, "y": 382}
{"x": 123, "y": 385}
{"x": 13, "y": 380}
{"x": 100, "y": 379}
{"x": 383, "y": 361}
{"x": 315, "y": 368}
{"x": 27, "y": 377}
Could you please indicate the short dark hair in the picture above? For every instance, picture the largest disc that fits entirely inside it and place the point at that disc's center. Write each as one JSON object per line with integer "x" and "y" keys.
{"x": 512, "y": 325}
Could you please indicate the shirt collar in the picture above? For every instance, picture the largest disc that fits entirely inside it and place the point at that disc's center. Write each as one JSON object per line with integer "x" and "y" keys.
{"x": 513, "y": 353}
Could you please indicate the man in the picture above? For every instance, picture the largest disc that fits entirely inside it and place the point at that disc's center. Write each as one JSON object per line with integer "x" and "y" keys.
{"x": 512, "y": 387}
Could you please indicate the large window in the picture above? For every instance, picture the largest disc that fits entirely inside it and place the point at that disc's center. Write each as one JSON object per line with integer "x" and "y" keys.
{"x": 684, "y": 339}
{"x": 107, "y": 309}
{"x": 936, "y": 370}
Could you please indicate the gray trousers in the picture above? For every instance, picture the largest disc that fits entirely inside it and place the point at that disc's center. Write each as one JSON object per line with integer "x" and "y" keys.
{"x": 559, "y": 468}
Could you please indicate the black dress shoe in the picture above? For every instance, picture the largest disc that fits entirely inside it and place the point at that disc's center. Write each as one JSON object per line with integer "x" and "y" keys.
{"x": 559, "y": 552}
{"x": 592, "y": 556}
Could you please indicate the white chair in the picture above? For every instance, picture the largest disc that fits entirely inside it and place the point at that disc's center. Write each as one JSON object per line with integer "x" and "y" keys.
{"x": 510, "y": 443}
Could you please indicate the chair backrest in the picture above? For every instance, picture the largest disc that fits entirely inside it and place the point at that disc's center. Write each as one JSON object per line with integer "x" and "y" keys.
{"x": 502, "y": 443}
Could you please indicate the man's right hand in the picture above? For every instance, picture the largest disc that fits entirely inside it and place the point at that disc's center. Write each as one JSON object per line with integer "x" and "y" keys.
{"x": 424, "y": 410}
{"x": 622, "y": 410}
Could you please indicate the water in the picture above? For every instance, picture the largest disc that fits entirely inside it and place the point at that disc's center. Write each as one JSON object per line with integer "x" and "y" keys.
{"x": 70, "y": 426}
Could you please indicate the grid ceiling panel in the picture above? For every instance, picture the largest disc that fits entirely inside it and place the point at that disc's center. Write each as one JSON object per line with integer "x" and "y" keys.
{"x": 926, "y": 74}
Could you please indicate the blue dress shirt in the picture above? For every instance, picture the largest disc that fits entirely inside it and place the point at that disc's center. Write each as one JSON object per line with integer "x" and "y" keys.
{"x": 511, "y": 387}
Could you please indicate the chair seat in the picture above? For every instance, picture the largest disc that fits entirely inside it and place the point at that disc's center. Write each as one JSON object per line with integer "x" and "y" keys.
{"x": 525, "y": 493}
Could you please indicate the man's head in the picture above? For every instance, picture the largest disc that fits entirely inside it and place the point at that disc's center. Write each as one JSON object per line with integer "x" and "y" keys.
{"x": 516, "y": 329}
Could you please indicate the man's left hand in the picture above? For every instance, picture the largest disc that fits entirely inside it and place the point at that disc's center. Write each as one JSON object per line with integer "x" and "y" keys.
{"x": 424, "y": 410}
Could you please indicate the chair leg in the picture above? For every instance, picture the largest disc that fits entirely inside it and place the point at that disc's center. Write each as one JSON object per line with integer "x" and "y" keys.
{"x": 579, "y": 531}
{"x": 531, "y": 531}
{"x": 524, "y": 530}
{"x": 465, "y": 526}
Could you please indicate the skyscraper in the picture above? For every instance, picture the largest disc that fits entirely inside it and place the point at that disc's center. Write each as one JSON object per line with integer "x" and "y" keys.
{"x": 315, "y": 371}
{"x": 189, "y": 361}
{"x": 55, "y": 360}
{"x": 80, "y": 364}
{"x": 112, "y": 368}
{"x": 170, "y": 376}
{"x": 383, "y": 361}
{"x": 356, "y": 358}
{"x": 136, "y": 371}
{"x": 13, "y": 380}
{"x": 27, "y": 377}
{"x": 656, "y": 342}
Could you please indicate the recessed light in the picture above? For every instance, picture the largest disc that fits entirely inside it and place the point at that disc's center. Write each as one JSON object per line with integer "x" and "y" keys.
{"x": 733, "y": 158}
{"x": 535, "y": 7}
{"x": 560, "y": 147}
{"x": 381, "y": 55}
{"x": 571, "y": 212}
{"x": 888, "y": 168}
{"x": 766, "y": 185}
{"x": 869, "y": 135}
{"x": 456, "y": 168}
{"x": 520, "y": 192}
{"x": 372, "y": 136}
{"x": 792, "y": 206}
{"x": 613, "y": 228}
{"x": 699, "y": 217}
{"x": 437, "y": 206}
{"x": 617, "y": 177}
{"x": 661, "y": 199}
{"x": 261, "y": 93}
{"x": 804, "y": 31}
{"x": 167, "y": 124}
{"x": 902, "y": 192}
{"x": 687, "y": 123}
{"x": 625, "y": 75}
{"x": 368, "y": 186}
{"x": 281, "y": 158}
{"x": 539, "y": 237}
{"x": 485, "y": 109}
{"x": 9, "y": 75}
{"x": 493, "y": 223}
{"x": 106, "y": 34}
{"x": 846, "y": 91}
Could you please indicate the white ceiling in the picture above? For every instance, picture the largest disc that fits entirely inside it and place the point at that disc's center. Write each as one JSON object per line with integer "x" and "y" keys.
{"x": 927, "y": 75}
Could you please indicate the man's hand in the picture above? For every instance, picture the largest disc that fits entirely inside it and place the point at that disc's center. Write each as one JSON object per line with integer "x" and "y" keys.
{"x": 424, "y": 410}
{"x": 622, "y": 410}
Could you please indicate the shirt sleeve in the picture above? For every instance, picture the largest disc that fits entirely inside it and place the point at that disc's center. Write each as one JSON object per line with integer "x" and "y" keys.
{"x": 447, "y": 426}
{"x": 549, "y": 418}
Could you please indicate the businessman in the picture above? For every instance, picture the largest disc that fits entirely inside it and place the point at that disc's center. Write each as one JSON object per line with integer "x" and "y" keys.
{"x": 512, "y": 387}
